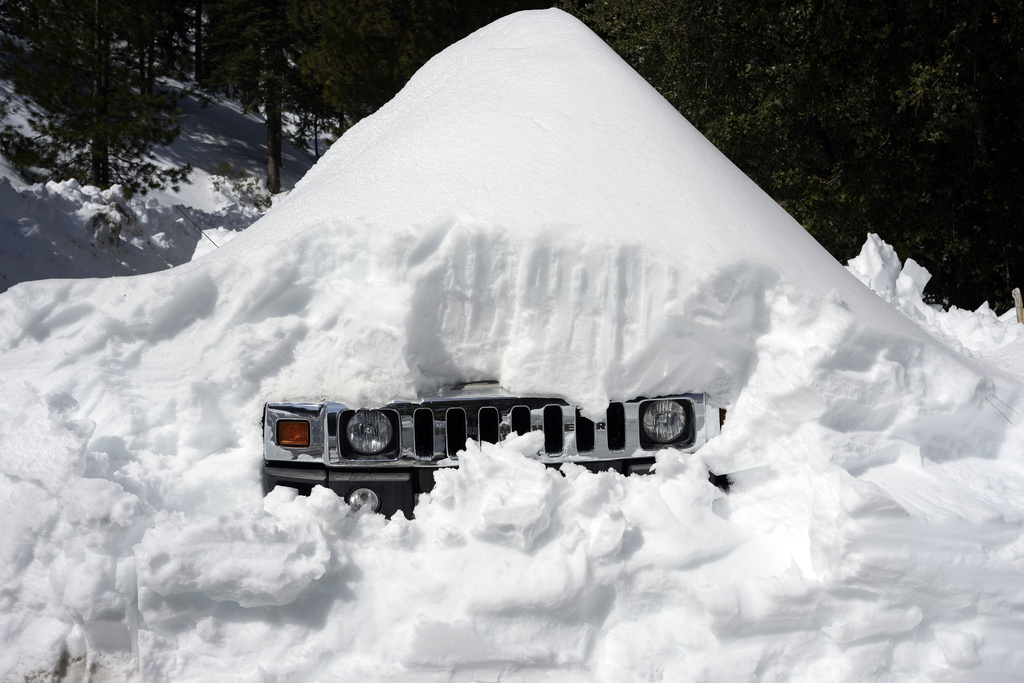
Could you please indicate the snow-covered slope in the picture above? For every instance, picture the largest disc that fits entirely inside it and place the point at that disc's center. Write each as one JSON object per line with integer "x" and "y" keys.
{"x": 526, "y": 210}
{"x": 65, "y": 230}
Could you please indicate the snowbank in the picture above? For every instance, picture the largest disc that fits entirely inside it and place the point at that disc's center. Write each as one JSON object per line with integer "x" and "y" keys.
{"x": 526, "y": 210}
{"x": 67, "y": 230}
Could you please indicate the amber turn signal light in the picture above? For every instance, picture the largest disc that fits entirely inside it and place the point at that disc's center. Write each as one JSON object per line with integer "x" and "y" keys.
{"x": 294, "y": 433}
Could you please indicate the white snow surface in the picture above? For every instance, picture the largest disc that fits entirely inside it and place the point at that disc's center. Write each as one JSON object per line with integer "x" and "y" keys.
{"x": 528, "y": 210}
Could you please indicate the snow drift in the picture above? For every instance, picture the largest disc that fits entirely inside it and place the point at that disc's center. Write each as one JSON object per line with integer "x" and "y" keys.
{"x": 529, "y": 210}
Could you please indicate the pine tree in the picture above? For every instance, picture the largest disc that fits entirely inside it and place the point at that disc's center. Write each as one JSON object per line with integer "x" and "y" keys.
{"x": 90, "y": 70}
{"x": 251, "y": 52}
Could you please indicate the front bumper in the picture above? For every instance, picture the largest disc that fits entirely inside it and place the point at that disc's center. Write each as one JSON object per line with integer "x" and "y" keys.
{"x": 397, "y": 487}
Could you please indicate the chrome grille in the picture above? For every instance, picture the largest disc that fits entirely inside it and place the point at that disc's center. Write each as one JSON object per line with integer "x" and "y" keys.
{"x": 554, "y": 430}
{"x": 456, "y": 431}
{"x": 520, "y": 420}
{"x": 439, "y": 428}
{"x": 584, "y": 434}
{"x": 423, "y": 433}
{"x": 489, "y": 424}
{"x": 615, "y": 427}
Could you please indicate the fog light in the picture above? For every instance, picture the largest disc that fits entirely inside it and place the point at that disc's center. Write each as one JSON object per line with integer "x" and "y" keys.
{"x": 369, "y": 431}
{"x": 294, "y": 433}
{"x": 664, "y": 421}
{"x": 360, "y": 498}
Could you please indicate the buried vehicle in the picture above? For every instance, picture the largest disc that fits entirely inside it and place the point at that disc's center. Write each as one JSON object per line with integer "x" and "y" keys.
{"x": 383, "y": 458}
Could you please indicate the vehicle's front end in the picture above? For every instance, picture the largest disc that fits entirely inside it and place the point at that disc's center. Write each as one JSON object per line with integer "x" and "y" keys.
{"x": 384, "y": 458}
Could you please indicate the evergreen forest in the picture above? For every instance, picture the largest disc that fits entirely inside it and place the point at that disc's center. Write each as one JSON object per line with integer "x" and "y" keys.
{"x": 903, "y": 119}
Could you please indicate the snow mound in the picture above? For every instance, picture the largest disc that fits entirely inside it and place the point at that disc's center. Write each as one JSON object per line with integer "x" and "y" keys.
{"x": 974, "y": 333}
{"x": 527, "y": 209}
{"x": 512, "y": 174}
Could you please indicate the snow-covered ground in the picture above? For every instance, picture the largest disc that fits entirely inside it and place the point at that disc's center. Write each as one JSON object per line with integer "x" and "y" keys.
{"x": 65, "y": 230}
{"x": 526, "y": 210}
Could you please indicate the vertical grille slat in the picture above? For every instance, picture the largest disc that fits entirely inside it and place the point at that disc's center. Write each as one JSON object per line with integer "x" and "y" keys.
{"x": 423, "y": 432}
{"x": 554, "y": 430}
{"x": 455, "y": 431}
{"x": 584, "y": 434}
{"x": 489, "y": 424}
{"x": 616, "y": 427}
{"x": 520, "y": 419}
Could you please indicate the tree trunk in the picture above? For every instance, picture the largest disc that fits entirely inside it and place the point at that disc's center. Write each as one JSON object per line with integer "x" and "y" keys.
{"x": 100, "y": 168}
{"x": 273, "y": 142}
{"x": 199, "y": 66}
{"x": 150, "y": 83}
{"x": 147, "y": 57}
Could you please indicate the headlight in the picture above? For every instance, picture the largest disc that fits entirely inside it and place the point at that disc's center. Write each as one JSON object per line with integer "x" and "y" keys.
{"x": 369, "y": 431}
{"x": 664, "y": 421}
